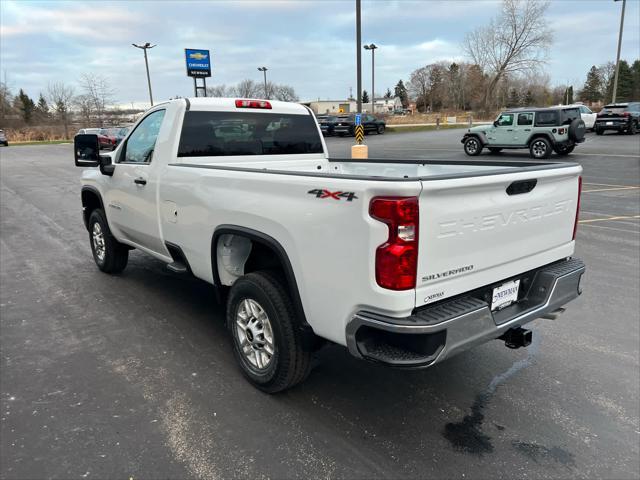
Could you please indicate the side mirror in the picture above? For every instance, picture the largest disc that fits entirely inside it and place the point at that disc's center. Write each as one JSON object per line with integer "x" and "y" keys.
{"x": 495, "y": 123}
{"x": 86, "y": 150}
{"x": 106, "y": 165}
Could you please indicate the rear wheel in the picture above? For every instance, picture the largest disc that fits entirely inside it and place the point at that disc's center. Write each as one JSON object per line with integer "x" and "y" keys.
{"x": 472, "y": 146}
{"x": 540, "y": 148}
{"x": 266, "y": 341}
{"x": 495, "y": 149}
{"x": 110, "y": 255}
{"x": 380, "y": 129}
{"x": 633, "y": 129}
{"x": 564, "y": 149}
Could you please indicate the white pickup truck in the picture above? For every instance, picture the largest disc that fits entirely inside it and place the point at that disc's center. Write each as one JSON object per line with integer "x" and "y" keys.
{"x": 404, "y": 262}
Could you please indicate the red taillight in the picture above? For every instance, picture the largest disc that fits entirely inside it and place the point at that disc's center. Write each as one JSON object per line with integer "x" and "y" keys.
{"x": 397, "y": 258}
{"x": 561, "y": 131}
{"x": 253, "y": 104}
{"x": 575, "y": 223}
{"x": 625, "y": 114}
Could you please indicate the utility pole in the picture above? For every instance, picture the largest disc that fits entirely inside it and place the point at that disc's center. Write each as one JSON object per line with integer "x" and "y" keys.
{"x": 372, "y": 47}
{"x": 615, "y": 80}
{"x": 144, "y": 48}
{"x": 359, "y": 55}
{"x": 264, "y": 70}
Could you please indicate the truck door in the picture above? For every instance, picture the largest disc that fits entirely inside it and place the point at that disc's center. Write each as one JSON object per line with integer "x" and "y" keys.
{"x": 131, "y": 197}
{"x": 522, "y": 128}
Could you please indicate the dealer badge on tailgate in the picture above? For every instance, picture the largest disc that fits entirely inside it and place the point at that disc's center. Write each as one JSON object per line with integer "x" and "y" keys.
{"x": 505, "y": 295}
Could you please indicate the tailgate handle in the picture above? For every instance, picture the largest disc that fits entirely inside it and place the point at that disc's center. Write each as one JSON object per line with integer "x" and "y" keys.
{"x": 521, "y": 186}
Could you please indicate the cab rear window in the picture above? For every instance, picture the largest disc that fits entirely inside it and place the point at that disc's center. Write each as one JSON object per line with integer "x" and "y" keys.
{"x": 219, "y": 134}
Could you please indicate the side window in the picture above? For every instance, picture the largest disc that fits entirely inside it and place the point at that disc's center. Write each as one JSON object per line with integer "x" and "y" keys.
{"x": 585, "y": 110}
{"x": 140, "y": 145}
{"x": 505, "y": 120}
{"x": 569, "y": 115}
{"x": 546, "y": 119}
{"x": 525, "y": 119}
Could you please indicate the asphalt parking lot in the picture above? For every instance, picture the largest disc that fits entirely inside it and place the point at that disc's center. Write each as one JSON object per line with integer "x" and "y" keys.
{"x": 133, "y": 375}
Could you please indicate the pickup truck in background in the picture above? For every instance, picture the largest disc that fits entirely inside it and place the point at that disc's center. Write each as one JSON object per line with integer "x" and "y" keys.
{"x": 404, "y": 262}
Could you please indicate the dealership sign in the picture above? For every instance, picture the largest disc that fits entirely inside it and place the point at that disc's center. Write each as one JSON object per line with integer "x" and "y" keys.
{"x": 198, "y": 63}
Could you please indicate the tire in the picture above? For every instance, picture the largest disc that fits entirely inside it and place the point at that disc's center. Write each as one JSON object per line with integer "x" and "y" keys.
{"x": 473, "y": 146}
{"x": 380, "y": 129}
{"x": 540, "y": 148}
{"x": 633, "y": 129}
{"x": 564, "y": 150}
{"x": 113, "y": 256}
{"x": 495, "y": 149}
{"x": 599, "y": 131}
{"x": 289, "y": 363}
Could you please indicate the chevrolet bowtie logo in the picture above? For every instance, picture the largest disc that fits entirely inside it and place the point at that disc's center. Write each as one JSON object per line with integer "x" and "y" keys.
{"x": 198, "y": 56}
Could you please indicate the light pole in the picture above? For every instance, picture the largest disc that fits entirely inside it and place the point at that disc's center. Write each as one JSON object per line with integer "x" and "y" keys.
{"x": 615, "y": 80}
{"x": 359, "y": 55}
{"x": 264, "y": 70}
{"x": 372, "y": 47}
{"x": 144, "y": 48}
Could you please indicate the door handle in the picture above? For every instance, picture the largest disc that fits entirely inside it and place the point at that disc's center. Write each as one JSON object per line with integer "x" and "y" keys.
{"x": 527, "y": 129}
{"x": 140, "y": 181}
{"x": 509, "y": 129}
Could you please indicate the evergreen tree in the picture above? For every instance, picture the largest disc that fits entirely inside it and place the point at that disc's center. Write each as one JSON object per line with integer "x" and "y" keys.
{"x": 25, "y": 106}
{"x": 625, "y": 83}
{"x": 401, "y": 91}
{"x": 528, "y": 99}
{"x": 388, "y": 94}
{"x": 592, "y": 89}
{"x": 42, "y": 109}
{"x": 635, "y": 74}
{"x": 514, "y": 98}
{"x": 365, "y": 97}
{"x": 570, "y": 95}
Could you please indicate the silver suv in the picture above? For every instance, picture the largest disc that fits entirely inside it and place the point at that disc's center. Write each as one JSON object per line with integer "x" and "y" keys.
{"x": 3, "y": 139}
{"x": 541, "y": 130}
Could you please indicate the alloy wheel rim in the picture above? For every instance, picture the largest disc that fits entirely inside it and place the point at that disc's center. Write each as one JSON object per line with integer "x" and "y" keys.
{"x": 97, "y": 236}
{"x": 254, "y": 334}
{"x": 539, "y": 149}
{"x": 472, "y": 146}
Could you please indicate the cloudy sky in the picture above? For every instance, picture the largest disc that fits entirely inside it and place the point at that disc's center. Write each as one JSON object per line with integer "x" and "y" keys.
{"x": 308, "y": 44}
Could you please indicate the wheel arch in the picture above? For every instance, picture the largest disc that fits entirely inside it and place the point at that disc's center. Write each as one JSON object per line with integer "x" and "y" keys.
{"x": 91, "y": 199}
{"x": 546, "y": 135}
{"x": 267, "y": 244}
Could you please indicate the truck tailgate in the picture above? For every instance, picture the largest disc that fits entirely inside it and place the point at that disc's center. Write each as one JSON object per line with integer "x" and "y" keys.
{"x": 480, "y": 230}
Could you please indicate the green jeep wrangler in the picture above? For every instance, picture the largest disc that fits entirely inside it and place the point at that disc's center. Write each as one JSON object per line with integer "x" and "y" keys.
{"x": 541, "y": 130}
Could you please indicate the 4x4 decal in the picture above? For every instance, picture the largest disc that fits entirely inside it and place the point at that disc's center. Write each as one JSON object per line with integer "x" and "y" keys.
{"x": 323, "y": 193}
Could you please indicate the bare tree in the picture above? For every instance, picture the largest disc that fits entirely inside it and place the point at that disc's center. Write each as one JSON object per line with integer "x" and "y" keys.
{"x": 515, "y": 42}
{"x": 98, "y": 91}
{"x": 248, "y": 89}
{"x": 221, "y": 91}
{"x": 284, "y": 93}
{"x": 61, "y": 96}
{"x": 419, "y": 82}
{"x": 84, "y": 105}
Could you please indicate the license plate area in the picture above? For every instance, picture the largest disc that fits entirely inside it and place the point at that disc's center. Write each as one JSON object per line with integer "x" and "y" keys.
{"x": 504, "y": 295}
{"x": 609, "y": 123}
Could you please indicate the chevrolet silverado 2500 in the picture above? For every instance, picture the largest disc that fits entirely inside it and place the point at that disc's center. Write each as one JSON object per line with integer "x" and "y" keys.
{"x": 404, "y": 262}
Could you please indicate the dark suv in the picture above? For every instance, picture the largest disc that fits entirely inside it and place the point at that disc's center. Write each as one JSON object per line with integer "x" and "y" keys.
{"x": 347, "y": 123}
{"x": 327, "y": 124}
{"x": 541, "y": 130}
{"x": 621, "y": 117}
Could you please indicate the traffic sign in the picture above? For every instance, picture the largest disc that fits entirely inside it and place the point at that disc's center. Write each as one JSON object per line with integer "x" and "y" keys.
{"x": 359, "y": 132}
{"x": 358, "y": 119}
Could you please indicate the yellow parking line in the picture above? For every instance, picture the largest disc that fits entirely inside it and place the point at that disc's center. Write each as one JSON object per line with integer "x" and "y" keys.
{"x": 610, "y": 189}
{"x": 626, "y": 217}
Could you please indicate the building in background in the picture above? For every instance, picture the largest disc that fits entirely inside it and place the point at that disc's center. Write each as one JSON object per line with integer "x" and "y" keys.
{"x": 383, "y": 105}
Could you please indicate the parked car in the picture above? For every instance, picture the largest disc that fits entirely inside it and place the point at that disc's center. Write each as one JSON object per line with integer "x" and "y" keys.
{"x": 541, "y": 130}
{"x": 621, "y": 117}
{"x": 588, "y": 117}
{"x": 119, "y": 133}
{"x": 3, "y": 139}
{"x": 403, "y": 262}
{"x": 111, "y": 136}
{"x": 106, "y": 142}
{"x": 327, "y": 124}
{"x": 346, "y": 124}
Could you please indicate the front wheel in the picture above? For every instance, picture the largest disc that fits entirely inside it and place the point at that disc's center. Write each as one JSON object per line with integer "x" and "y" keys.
{"x": 540, "y": 148}
{"x": 380, "y": 129}
{"x": 110, "y": 255}
{"x": 266, "y": 340}
{"x": 472, "y": 146}
{"x": 599, "y": 131}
